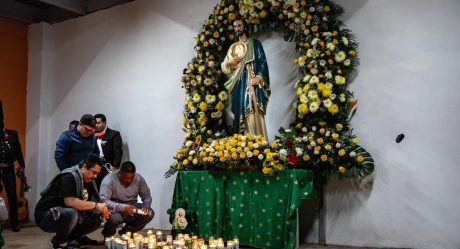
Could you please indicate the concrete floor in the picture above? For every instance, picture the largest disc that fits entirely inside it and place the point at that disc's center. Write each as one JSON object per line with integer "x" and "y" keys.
{"x": 31, "y": 237}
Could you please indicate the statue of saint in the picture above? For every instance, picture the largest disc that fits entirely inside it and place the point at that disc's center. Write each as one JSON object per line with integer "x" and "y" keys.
{"x": 248, "y": 83}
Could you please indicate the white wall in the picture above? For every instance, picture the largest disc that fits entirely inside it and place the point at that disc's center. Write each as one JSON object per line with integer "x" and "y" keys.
{"x": 127, "y": 62}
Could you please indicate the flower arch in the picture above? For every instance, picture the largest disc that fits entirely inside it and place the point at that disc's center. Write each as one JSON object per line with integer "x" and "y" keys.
{"x": 320, "y": 137}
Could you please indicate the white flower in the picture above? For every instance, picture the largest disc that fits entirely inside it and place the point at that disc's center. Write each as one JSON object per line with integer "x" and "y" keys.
{"x": 314, "y": 71}
{"x": 322, "y": 63}
{"x": 208, "y": 81}
{"x": 310, "y": 53}
{"x": 249, "y": 154}
{"x": 188, "y": 143}
{"x": 220, "y": 18}
{"x": 328, "y": 133}
{"x": 352, "y": 154}
{"x": 342, "y": 97}
{"x": 328, "y": 75}
{"x": 327, "y": 34}
{"x": 298, "y": 151}
{"x": 340, "y": 56}
{"x": 304, "y": 129}
{"x": 338, "y": 145}
{"x": 283, "y": 152}
{"x": 311, "y": 9}
{"x": 202, "y": 37}
{"x": 260, "y": 156}
{"x": 195, "y": 161}
{"x": 345, "y": 40}
{"x": 313, "y": 143}
{"x": 347, "y": 62}
{"x": 196, "y": 98}
{"x": 223, "y": 95}
{"x": 312, "y": 94}
{"x": 243, "y": 145}
{"x": 243, "y": 138}
{"x": 316, "y": 152}
{"x": 339, "y": 80}
{"x": 210, "y": 99}
{"x": 193, "y": 109}
{"x": 297, "y": 20}
{"x": 313, "y": 107}
{"x": 264, "y": 143}
{"x": 303, "y": 98}
{"x": 191, "y": 153}
{"x": 212, "y": 41}
{"x": 302, "y": 61}
{"x": 314, "y": 80}
{"x": 325, "y": 19}
{"x": 211, "y": 64}
{"x": 307, "y": 31}
{"x": 305, "y": 138}
{"x": 306, "y": 78}
{"x": 330, "y": 46}
{"x": 217, "y": 114}
{"x": 255, "y": 145}
{"x": 313, "y": 128}
{"x": 327, "y": 103}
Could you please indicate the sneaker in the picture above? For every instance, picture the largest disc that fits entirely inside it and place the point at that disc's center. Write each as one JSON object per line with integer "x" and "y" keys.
{"x": 56, "y": 246}
{"x": 73, "y": 244}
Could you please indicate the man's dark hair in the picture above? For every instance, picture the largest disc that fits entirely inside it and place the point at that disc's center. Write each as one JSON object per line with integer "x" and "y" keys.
{"x": 127, "y": 167}
{"x": 91, "y": 161}
{"x": 101, "y": 116}
{"x": 246, "y": 26}
{"x": 74, "y": 123}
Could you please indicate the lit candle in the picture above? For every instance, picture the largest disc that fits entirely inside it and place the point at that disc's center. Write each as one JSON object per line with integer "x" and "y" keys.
{"x": 159, "y": 236}
{"x": 169, "y": 239}
{"x": 152, "y": 245}
{"x": 212, "y": 245}
{"x": 203, "y": 247}
{"x": 230, "y": 244}
{"x": 149, "y": 232}
{"x": 236, "y": 243}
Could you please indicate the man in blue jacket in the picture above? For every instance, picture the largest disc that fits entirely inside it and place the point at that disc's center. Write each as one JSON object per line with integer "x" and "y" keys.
{"x": 74, "y": 145}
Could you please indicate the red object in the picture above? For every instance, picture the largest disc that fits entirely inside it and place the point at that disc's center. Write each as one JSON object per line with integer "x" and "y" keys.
{"x": 288, "y": 143}
{"x": 6, "y": 136}
{"x": 292, "y": 159}
{"x": 100, "y": 135}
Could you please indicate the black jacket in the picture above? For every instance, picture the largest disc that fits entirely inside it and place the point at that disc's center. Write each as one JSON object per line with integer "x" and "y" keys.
{"x": 112, "y": 147}
{"x": 15, "y": 145}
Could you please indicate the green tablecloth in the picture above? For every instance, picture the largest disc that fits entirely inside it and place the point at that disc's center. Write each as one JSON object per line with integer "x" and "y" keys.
{"x": 260, "y": 210}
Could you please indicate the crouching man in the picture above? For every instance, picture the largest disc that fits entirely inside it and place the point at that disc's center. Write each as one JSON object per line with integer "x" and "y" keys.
{"x": 69, "y": 205}
{"x": 119, "y": 190}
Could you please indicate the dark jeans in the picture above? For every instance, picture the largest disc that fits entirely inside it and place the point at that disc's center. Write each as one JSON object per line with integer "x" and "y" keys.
{"x": 67, "y": 226}
{"x": 9, "y": 182}
{"x": 132, "y": 223}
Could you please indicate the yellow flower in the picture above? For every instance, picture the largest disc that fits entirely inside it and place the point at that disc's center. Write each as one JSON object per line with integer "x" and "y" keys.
{"x": 342, "y": 169}
{"x": 267, "y": 170}
{"x": 314, "y": 28}
{"x": 242, "y": 155}
{"x": 190, "y": 105}
{"x": 220, "y": 106}
{"x": 306, "y": 157}
{"x": 210, "y": 159}
{"x": 322, "y": 130}
{"x": 231, "y": 16}
{"x": 323, "y": 158}
{"x": 256, "y": 152}
{"x": 328, "y": 147}
{"x": 215, "y": 34}
{"x": 202, "y": 154}
{"x": 203, "y": 106}
{"x": 202, "y": 120}
{"x": 234, "y": 155}
{"x": 355, "y": 140}
{"x": 231, "y": 7}
{"x": 320, "y": 141}
{"x": 333, "y": 109}
{"x": 335, "y": 136}
{"x": 185, "y": 162}
{"x": 327, "y": 92}
{"x": 303, "y": 108}
{"x": 359, "y": 159}
{"x": 306, "y": 88}
{"x": 298, "y": 91}
{"x": 263, "y": 14}
{"x": 274, "y": 145}
{"x": 339, "y": 126}
{"x": 341, "y": 152}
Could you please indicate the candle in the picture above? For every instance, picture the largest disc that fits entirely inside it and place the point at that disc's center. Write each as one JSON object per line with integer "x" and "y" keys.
{"x": 152, "y": 245}
{"x": 212, "y": 246}
{"x": 131, "y": 246}
{"x": 203, "y": 247}
{"x": 230, "y": 244}
{"x": 169, "y": 239}
{"x": 159, "y": 236}
{"x": 236, "y": 243}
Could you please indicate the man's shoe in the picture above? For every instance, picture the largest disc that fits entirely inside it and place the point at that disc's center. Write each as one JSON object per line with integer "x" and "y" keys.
{"x": 57, "y": 246}
{"x": 87, "y": 241}
{"x": 73, "y": 244}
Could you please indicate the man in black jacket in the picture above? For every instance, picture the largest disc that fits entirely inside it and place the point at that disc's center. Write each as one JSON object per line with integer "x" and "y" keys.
{"x": 10, "y": 151}
{"x": 110, "y": 146}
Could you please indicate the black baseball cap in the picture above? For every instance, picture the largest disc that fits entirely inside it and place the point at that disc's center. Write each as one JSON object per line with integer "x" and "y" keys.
{"x": 88, "y": 121}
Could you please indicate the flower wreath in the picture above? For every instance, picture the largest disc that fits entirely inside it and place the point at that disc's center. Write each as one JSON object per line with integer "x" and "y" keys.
{"x": 320, "y": 137}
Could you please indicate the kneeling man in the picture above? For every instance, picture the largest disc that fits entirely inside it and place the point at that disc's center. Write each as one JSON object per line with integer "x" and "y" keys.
{"x": 69, "y": 205}
{"x": 119, "y": 190}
